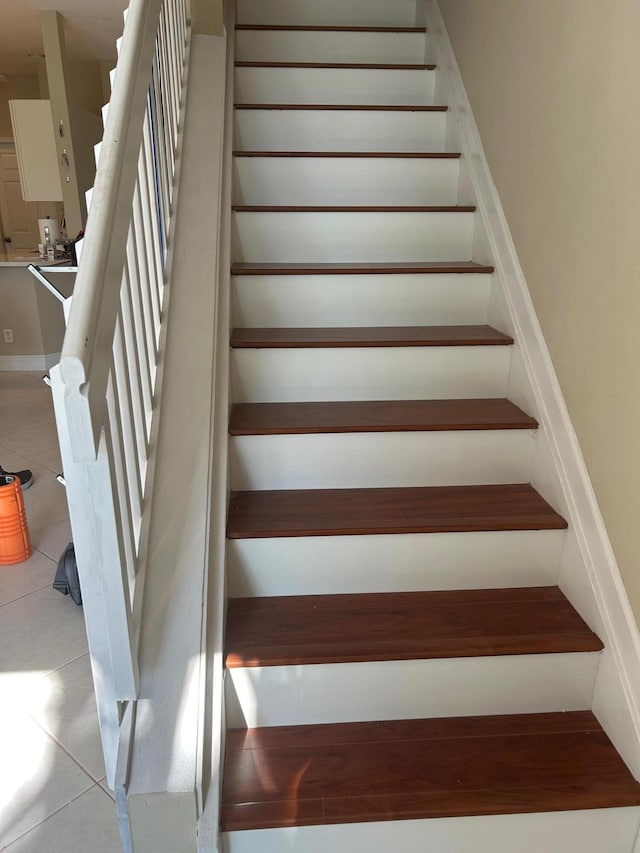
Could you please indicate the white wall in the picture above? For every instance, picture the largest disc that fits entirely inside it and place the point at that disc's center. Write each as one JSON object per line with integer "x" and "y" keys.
{"x": 554, "y": 89}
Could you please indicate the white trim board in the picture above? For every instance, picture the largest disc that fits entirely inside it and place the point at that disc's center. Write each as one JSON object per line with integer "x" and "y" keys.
{"x": 28, "y": 362}
{"x": 597, "y": 572}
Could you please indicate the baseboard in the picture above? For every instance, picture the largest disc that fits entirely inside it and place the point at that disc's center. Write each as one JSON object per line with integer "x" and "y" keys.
{"x": 619, "y": 716}
{"x": 28, "y": 362}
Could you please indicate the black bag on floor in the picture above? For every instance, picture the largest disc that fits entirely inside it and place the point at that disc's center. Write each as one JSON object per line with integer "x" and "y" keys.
{"x": 66, "y": 580}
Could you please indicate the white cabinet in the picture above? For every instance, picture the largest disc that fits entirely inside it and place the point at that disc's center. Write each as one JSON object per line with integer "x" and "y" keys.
{"x": 36, "y": 149}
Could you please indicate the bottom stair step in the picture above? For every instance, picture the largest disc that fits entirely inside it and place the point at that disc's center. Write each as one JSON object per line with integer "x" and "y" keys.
{"x": 296, "y": 776}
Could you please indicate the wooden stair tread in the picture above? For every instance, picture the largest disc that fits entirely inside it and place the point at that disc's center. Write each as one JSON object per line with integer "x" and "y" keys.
{"x": 423, "y": 208}
{"x": 411, "y": 108}
{"x": 388, "y": 268}
{"x": 379, "y": 155}
{"x": 368, "y": 336}
{"x": 376, "y": 416}
{"x": 329, "y": 29}
{"x": 430, "y": 509}
{"x": 349, "y": 66}
{"x": 339, "y": 773}
{"x": 314, "y": 629}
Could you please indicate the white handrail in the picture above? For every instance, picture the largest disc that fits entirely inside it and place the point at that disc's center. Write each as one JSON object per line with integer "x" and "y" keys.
{"x": 105, "y": 391}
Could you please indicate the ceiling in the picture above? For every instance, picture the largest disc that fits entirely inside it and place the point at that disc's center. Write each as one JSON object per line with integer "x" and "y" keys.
{"x": 91, "y": 29}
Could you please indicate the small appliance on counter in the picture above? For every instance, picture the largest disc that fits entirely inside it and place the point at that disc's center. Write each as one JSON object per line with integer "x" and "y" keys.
{"x": 49, "y": 237}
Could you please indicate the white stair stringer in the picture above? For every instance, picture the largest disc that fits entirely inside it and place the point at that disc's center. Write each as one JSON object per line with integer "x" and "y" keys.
{"x": 380, "y": 459}
{"x": 345, "y": 180}
{"x": 298, "y": 85}
{"x": 611, "y": 830}
{"x": 393, "y": 299}
{"x": 322, "y": 565}
{"x": 299, "y": 695}
{"x": 328, "y": 46}
{"x": 330, "y": 12}
{"x": 339, "y": 130}
{"x": 368, "y": 373}
{"x": 336, "y": 236}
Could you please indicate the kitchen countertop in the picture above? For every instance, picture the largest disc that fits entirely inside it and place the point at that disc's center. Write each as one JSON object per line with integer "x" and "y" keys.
{"x": 24, "y": 257}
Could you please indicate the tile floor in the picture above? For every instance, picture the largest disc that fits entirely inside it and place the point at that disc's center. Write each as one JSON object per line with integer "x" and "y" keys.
{"x": 53, "y": 798}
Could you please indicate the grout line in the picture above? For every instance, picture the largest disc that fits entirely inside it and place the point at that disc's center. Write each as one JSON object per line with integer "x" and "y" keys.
{"x": 36, "y": 825}
{"x": 25, "y": 594}
{"x": 67, "y": 663}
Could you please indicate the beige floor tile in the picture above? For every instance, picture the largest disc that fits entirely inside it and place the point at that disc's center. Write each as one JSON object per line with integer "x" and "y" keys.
{"x": 87, "y": 825}
{"x": 67, "y": 711}
{"x": 29, "y": 392}
{"x": 31, "y": 439}
{"x": 23, "y": 578}
{"x": 41, "y": 632}
{"x": 52, "y": 538}
{"x": 37, "y": 777}
{"x": 45, "y": 503}
{"x": 48, "y": 459}
{"x": 14, "y": 417}
{"x": 16, "y": 382}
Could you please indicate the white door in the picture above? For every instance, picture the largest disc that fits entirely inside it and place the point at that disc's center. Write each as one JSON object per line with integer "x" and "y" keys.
{"x": 18, "y": 218}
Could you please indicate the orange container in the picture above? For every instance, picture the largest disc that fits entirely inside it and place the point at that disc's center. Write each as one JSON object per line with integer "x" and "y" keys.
{"x": 15, "y": 545}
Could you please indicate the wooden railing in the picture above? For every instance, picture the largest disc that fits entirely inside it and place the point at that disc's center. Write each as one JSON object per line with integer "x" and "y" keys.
{"x": 107, "y": 393}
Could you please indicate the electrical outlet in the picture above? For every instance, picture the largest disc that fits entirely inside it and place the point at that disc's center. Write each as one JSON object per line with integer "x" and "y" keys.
{"x": 8, "y": 336}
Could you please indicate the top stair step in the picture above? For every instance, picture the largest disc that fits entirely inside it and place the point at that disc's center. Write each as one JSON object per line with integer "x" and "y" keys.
{"x": 377, "y": 66}
{"x": 428, "y": 108}
{"x": 390, "y": 268}
{"x": 374, "y": 336}
{"x": 402, "y": 769}
{"x": 323, "y": 28}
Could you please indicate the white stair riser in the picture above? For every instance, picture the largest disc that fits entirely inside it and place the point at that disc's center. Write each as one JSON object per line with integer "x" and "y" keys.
{"x": 322, "y": 565}
{"x": 333, "y": 86}
{"x": 368, "y": 373}
{"x": 595, "y": 831}
{"x": 351, "y": 237}
{"x": 296, "y": 46}
{"x": 360, "y": 300}
{"x": 394, "y": 690}
{"x": 380, "y": 13}
{"x": 379, "y": 460}
{"x": 339, "y": 130}
{"x": 351, "y": 181}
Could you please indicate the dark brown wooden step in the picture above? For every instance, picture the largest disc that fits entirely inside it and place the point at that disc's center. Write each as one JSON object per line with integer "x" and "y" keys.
{"x": 341, "y": 65}
{"x": 423, "y": 208}
{"x": 376, "y": 416}
{"x": 392, "y": 770}
{"x": 377, "y": 155}
{"x": 388, "y": 268}
{"x": 369, "y": 336}
{"x": 327, "y": 29}
{"x": 313, "y": 629}
{"x": 432, "y": 509}
{"x": 407, "y": 108}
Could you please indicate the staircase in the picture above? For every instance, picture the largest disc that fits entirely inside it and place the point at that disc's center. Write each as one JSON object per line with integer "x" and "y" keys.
{"x": 402, "y": 669}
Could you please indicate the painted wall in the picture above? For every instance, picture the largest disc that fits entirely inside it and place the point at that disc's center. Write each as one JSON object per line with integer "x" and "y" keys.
{"x": 33, "y": 314}
{"x": 554, "y": 89}
{"x": 13, "y": 89}
{"x": 86, "y": 85}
